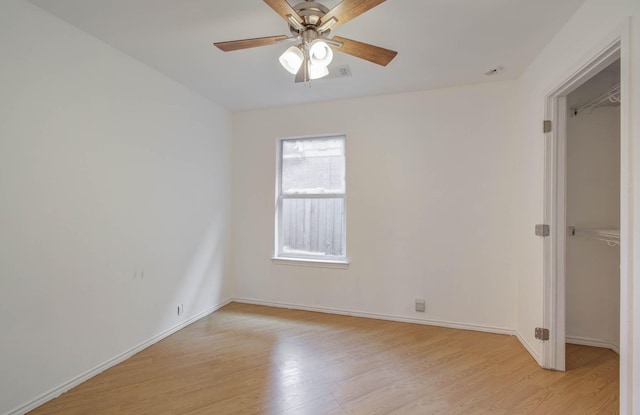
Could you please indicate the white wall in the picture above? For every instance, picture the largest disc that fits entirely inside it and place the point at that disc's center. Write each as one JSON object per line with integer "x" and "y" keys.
{"x": 107, "y": 168}
{"x": 593, "y": 201}
{"x": 429, "y": 205}
{"x": 590, "y": 29}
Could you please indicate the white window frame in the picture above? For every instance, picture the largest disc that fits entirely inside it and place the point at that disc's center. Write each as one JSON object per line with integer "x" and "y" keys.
{"x": 307, "y": 259}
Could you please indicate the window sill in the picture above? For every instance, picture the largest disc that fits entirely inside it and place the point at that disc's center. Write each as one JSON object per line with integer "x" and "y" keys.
{"x": 305, "y": 262}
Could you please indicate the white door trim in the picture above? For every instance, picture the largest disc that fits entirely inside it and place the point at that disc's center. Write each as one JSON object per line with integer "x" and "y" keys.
{"x": 553, "y": 351}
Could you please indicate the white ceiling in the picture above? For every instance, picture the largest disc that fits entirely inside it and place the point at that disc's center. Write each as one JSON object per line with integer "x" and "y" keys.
{"x": 440, "y": 43}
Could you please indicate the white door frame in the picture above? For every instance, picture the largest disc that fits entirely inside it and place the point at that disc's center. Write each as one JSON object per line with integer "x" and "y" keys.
{"x": 553, "y": 351}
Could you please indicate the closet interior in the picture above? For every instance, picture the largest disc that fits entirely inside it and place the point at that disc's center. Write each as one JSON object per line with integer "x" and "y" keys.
{"x": 593, "y": 212}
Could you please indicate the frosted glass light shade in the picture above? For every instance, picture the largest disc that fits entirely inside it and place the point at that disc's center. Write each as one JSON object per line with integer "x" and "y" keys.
{"x": 320, "y": 53}
{"x": 317, "y": 71}
{"x": 292, "y": 59}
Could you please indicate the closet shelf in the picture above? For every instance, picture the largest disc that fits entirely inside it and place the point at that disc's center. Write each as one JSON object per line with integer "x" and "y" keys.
{"x": 610, "y": 97}
{"x": 610, "y": 236}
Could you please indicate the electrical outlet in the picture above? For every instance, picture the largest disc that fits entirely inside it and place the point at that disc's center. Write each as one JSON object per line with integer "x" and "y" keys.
{"x": 420, "y": 305}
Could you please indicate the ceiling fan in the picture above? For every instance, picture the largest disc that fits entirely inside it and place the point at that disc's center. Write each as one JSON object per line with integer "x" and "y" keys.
{"x": 310, "y": 23}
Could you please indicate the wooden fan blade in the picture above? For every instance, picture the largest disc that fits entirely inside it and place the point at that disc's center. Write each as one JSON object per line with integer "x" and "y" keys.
{"x": 347, "y": 10}
{"x": 248, "y": 43}
{"x": 284, "y": 9}
{"x": 371, "y": 53}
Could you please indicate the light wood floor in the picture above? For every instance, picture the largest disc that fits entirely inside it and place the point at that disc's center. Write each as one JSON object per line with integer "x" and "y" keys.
{"x": 246, "y": 359}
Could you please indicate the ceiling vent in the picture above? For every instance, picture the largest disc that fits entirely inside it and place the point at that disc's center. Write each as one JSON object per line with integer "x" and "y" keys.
{"x": 343, "y": 71}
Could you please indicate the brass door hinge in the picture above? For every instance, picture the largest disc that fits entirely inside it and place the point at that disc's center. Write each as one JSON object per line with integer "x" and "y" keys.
{"x": 543, "y": 230}
{"x": 542, "y": 334}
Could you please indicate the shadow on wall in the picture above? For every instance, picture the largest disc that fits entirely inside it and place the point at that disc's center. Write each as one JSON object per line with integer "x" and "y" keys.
{"x": 203, "y": 283}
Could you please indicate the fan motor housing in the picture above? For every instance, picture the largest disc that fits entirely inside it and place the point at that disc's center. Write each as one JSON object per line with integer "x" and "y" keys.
{"x": 311, "y": 12}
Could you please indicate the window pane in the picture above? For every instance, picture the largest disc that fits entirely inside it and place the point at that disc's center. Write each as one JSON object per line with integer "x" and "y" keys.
{"x": 313, "y": 226}
{"x": 313, "y": 166}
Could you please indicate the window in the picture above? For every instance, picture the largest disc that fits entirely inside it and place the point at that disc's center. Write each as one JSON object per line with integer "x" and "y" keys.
{"x": 311, "y": 190}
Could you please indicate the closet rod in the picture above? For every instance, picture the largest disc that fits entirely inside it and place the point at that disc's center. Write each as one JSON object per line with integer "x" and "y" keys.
{"x": 612, "y": 96}
{"x": 610, "y": 236}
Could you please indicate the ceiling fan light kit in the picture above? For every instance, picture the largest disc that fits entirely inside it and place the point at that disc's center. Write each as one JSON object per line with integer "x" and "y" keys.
{"x": 310, "y": 23}
{"x": 320, "y": 53}
{"x": 292, "y": 59}
{"x": 317, "y": 71}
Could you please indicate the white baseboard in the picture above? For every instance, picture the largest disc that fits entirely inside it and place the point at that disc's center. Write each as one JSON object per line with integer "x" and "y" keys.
{"x": 586, "y": 341}
{"x": 530, "y": 349}
{"x": 388, "y": 317}
{"x": 55, "y": 392}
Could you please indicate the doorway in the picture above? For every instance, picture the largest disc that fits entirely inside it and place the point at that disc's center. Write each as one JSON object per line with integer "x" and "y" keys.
{"x": 592, "y": 195}
{"x": 582, "y": 207}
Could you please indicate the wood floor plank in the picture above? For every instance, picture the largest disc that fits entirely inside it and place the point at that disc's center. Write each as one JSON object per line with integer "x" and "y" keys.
{"x": 247, "y": 359}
